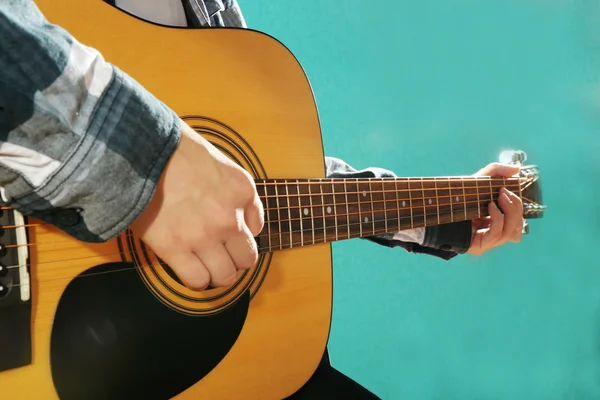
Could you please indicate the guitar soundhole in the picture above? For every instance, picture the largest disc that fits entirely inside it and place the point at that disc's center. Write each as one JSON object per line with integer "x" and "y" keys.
{"x": 170, "y": 271}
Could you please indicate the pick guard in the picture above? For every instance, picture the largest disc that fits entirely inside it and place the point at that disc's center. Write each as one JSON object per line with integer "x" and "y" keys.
{"x": 112, "y": 339}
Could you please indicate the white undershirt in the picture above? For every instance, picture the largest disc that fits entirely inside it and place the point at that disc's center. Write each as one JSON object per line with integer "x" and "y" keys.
{"x": 165, "y": 12}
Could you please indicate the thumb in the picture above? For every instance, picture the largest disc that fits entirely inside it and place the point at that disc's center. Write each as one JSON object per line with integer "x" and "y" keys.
{"x": 498, "y": 169}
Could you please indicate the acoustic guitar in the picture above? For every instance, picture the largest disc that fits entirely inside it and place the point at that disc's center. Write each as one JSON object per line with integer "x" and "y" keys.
{"x": 111, "y": 321}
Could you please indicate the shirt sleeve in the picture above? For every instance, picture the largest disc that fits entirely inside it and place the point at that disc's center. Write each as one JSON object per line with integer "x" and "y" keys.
{"x": 82, "y": 144}
{"x": 443, "y": 241}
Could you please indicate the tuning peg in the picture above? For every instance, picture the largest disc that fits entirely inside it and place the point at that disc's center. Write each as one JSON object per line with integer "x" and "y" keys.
{"x": 514, "y": 157}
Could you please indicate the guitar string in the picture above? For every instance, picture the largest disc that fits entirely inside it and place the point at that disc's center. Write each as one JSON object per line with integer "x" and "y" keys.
{"x": 461, "y": 205}
{"x": 302, "y": 195}
{"x": 316, "y": 196}
{"x": 313, "y": 215}
{"x": 424, "y": 216}
{"x": 145, "y": 265}
{"x": 375, "y": 232}
{"x": 362, "y": 202}
{"x": 452, "y": 179}
{"x": 368, "y": 191}
{"x": 369, "y": 231}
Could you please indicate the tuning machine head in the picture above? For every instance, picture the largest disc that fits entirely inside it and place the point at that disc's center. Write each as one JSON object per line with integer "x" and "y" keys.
{"x": 513, "y": 157}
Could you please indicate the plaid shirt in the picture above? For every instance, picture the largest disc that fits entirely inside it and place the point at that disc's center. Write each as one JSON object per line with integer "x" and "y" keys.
{"x": 76, "y": 133}
{"x": 82, "y": 144}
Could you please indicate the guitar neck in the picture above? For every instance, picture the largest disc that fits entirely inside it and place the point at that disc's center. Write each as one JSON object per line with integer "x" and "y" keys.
{"x": 301, "y": 212}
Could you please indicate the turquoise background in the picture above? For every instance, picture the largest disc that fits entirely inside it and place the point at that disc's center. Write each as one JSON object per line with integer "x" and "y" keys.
{"x": 442, "y": 87}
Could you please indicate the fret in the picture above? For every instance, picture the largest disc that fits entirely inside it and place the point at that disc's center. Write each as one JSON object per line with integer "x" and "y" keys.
{"x": 261, "y": 189}
{"x": 471, "y": 195}
{"x": 491, "y": 190}
{"x": 456, "y": 191}
{"x": 397, "y": 204}
{"x": 379, "y": 198}
{"x": 306, "y": 211}
{"x": 429, "y": 196}
{"x": 424, "y": 202}
{"x": 444, "y": 200}
{"x": 323, "y": 205}
{"x": 300, "y": 214}
{"x": 335, "y": 213}
{"x": 417, "y": 203}
{"x": 278, "y": 218}
{"x": 289, "y": 212}
{"x": 275, "y": 208}
{"x": 347, "y": 209}
{"x": 315, "y": 203}
{"x": 340, "y": 209}
{"x": 437, "y": 200}
{"x": 464, "y": 199}
{"x": 359, "y": 208}
{"x": 383, "y": 195}
{"x": 328, "y": 201}
{"x": 311, "y": 212}
{"x": 410, "y": 205}
{"x": 404, "y": 213}
{"x": 389, "y": 203}
{"x": 372, "y": 212}
{"x": 478, "y": 203}
{"x": 451, "y": 205}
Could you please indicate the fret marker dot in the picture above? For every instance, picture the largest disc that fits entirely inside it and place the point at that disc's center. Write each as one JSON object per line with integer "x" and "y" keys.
{"x": 403, "y": 203}
{"x": 366, "y": 219}
{"x": 364, "y": 194}
{"x": 328, "y": 210}
{"x": 430, "y": 201}
{"x": 457, "y": 198}
{"x": 306, "y": 211}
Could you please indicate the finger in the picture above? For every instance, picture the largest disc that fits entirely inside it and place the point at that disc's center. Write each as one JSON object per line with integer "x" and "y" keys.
{"x": 498, "y": 169}
{"x": 496, "y": 227}
{"x": 254, "y": 216}
{"x": 513, "y": 217}
{"x": 219, "y": 264}
{"x": 481, "y": 223}
{"x": 189, "y": 269}
{"x": 243, "y": 250}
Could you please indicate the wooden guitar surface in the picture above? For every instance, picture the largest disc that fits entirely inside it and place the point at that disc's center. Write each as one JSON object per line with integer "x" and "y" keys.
{"x": 247, "y": 94}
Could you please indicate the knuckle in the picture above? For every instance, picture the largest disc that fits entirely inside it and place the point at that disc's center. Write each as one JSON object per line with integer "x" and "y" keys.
{"x": 229, "y": 278}
{"x": 251, "y": 256}
{"x": 496, "y": 235}
{"x": 228, "y": 223}
{"x": 245, "y": 185}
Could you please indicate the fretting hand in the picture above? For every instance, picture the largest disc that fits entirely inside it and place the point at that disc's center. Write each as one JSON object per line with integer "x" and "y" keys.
{"x": 505, "y": 223}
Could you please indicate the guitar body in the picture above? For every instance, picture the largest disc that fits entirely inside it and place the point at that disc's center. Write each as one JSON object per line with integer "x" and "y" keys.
{"x": 109, "y": 320}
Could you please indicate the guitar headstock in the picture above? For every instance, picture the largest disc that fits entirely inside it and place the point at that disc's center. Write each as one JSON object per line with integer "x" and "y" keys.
{"x": 531, "y": 192}
{"x": 529, "y": 184}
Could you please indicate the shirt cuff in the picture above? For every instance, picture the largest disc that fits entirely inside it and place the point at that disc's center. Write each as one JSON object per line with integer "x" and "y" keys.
{"x": 454, "y": 237}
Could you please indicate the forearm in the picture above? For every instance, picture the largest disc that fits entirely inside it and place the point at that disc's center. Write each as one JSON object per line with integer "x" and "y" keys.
{"x": 77, "y": 133}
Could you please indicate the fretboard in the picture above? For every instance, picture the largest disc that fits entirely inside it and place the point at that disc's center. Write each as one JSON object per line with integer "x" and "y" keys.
{"x": 310, "y": 211}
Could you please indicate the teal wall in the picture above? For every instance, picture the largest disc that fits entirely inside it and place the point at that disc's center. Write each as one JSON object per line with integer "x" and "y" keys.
{"x": 437, "y": 88}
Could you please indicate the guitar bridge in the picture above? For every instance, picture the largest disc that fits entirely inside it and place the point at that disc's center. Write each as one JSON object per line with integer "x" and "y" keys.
{"x": 15, "y": 291}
